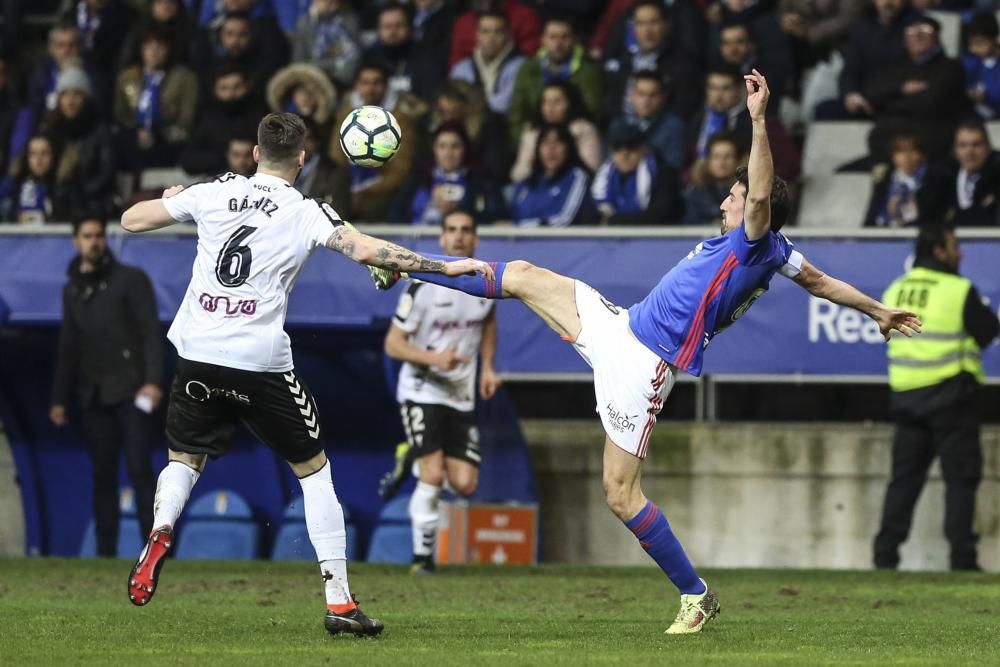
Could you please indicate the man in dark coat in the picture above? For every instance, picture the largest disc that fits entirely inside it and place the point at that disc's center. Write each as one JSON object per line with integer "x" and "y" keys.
{"x": 110, "y": 357}
{"x": 974, "y": 178}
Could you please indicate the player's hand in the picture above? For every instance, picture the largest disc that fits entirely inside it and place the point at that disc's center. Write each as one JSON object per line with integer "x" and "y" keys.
{"x": 895, "y": 319}
{"x": 757, "y": 94}
{"x": 170, "y": 192}
{"x": 153, "y": 392}
{"x": 447, "y": 360}
{"x": 489, "y": 382}
{"x": 57, "y": 415}
{"x": 468, "y": 266}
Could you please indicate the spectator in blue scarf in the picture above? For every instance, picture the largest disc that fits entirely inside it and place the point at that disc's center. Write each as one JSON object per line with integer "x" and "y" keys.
{"x": 29, "y": 196}
{"x": 155, "y": 102}
{"x": 449, "y": 184}
{"x": 981, "y": 61}
{"x": 634, "y": 186}
{"x": 557, "y": 193}
{"x": 910, "y": 192}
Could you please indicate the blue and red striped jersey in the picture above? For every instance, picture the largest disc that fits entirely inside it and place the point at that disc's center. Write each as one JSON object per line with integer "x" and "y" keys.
{"x": 707, "y": 291}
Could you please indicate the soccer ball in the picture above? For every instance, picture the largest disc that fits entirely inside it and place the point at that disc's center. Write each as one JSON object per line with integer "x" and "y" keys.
{"x": 370, "y": 136}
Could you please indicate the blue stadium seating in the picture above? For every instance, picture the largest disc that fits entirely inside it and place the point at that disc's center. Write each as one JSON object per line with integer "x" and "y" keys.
{"x": 129, "y": 536}
{"x": 292, "y": 541}
{"x": 219, "y": 525}
{"x": 392, "y": 541}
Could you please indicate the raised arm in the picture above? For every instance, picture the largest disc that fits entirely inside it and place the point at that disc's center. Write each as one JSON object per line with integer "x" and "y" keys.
{"x": 832, "y": 289}
{"x": 760, "y": 168}
{"x": 148, "y": 215}
{"x": 365, "y": 249}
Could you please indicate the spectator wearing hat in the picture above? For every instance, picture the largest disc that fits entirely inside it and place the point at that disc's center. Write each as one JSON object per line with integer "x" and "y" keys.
{"x": 305, "y": 90}
{"x": 86, "y": 168}
{"x": 923, "y": 93}
{"x": 449, "y": 184}
{"x": 634, "y": 186}
{"x": 557, "y": 193}
{"x": 561, "y": 58}
{"x": 64, "y": 49}
{"x": 329, "y": 37}
{"x": 154, "y": 109}
{"x": 981, "y": 62}
{"x": 663, "y": 128}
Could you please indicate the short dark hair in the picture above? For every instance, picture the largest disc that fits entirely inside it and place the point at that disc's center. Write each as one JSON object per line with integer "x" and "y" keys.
{"x": 281, "y": 137}
{"x": 493, "y": 14}
{"x": 372, "y": 64}
{"x": 729, "y": 71}
{"x": 649, "y": 75}
{"x": 903, "y": 138}
{"x": 462, "y": 211}
{"x": 560, "y": 18}
{"x": 393, "y": 6}
{"x": 780, "y": 204}
{"x": 83, "y": 219}
{"x": 982, "y": 24}
{"x": 931, "y": 236}
{"x": 724, "y": 137}
{"x": 653, "y": 4}
{"x": 228, "y": 68}
{"x": 974, "y": 126}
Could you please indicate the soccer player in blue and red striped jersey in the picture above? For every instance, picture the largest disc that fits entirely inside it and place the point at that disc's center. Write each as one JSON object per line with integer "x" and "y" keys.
{"x": 636, "y": 353}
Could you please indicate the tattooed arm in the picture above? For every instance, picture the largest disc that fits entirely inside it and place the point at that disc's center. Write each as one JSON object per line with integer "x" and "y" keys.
{"x": 365, "y": 249}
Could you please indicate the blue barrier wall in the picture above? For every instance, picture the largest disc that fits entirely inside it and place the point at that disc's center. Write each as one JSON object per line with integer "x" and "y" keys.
{"x": 337, "y": 321}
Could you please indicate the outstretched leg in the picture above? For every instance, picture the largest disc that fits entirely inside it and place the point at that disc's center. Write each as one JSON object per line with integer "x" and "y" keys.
{"x": 550, "y": 295}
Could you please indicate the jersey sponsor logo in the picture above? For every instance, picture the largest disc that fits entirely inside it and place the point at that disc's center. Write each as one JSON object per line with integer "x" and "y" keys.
{"x": 405, "y": 306}
{"x": 831, "y": 323}
{"x": 620, "y": 421}
{"x": 742, "y": 310}
{"x": 201, "y": 392}
{"x": 243, "y": 307}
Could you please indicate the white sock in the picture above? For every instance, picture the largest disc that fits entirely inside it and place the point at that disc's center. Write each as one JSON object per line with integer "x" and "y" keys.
{"x": 325, "y": 523}
{"x": 172, "y": 491}
{"x": 424, "y": 518}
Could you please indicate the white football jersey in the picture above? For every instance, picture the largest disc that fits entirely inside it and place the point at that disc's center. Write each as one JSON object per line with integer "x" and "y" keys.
{"x": 254, "y": 236}
{"x": 438, "y": 318}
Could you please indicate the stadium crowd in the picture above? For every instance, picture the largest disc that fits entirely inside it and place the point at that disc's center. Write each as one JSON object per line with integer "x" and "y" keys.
{"x": 538, "y": 113}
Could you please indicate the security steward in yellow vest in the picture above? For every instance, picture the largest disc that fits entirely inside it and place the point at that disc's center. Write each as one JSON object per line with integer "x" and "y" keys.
{"x": 935, "y": 380}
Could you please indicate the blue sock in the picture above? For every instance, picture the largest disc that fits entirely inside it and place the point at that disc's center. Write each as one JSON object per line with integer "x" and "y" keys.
{"x": 476, "y": 285}
{"x": 655, "y": 536}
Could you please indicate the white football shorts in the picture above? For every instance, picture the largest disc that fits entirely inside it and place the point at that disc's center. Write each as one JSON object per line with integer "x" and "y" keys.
{"x": 630, "y": 381}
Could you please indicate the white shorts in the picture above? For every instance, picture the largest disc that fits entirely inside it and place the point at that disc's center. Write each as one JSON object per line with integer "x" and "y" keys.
{"x": 630, "y": 381}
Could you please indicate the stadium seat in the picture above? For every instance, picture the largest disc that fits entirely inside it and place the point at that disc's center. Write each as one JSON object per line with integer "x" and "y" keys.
{"x": 129, "y": 536}
{"x": 392, "y": 541}
{"x": 830, "y": 145}
{"x": 162, "y": 178}
{"x": 219, "y": 526}
{"x": 292, "y": 541}
{"x": 951, "y": 32}
{"x": 838, "y": 201}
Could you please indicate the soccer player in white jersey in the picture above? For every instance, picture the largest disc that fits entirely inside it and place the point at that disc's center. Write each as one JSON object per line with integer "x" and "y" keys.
{"x": 438, "y": 334}
{"x": 636, "y": 352}
{"x": 235, "y": 359}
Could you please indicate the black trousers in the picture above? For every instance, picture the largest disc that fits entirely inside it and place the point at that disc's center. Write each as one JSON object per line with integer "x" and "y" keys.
{"x": 109, "y": 430}
{"x": 953, "y": 436}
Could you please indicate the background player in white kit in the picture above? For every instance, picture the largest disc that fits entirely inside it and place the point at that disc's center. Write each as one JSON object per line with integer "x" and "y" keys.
{"x": 235, "y": 359}
{"x": 438, "y": 334}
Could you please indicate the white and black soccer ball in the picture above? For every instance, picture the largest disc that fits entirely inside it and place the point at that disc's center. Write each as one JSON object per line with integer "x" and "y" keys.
{"x": 370, "y": 136}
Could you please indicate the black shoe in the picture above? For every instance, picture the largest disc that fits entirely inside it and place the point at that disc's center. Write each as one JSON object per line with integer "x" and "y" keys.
{"x": 423, "y": 565}
{"x": 393, "y": 481}
{"x": 354, "y": 622}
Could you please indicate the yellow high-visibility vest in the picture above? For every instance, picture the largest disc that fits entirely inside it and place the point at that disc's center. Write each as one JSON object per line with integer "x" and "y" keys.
{"x": 943, "y": 349}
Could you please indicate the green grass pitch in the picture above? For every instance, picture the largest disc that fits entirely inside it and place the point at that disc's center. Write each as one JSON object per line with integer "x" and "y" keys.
{"x": 70, "y": 612}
